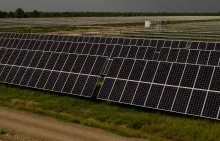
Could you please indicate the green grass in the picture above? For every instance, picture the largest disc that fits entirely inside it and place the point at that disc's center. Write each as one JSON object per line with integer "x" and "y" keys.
{"x": 45, "y": 29}
{"x": 49, "y": 29}
{"x": 2, "y": 131}
{"x": 122, "y": 120}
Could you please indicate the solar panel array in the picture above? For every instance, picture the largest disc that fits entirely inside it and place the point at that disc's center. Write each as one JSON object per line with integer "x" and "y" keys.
{"x": 111, "y": 47}
{"x": 175, "y": 76}
{"x": 177, "y": 87}
{"x": 193, "y": 56}
{"x": 205, "y": 46}
{"x": 60, "y": 72}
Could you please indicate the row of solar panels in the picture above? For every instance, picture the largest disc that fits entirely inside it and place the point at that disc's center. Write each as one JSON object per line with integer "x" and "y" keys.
{"x": 49, "y": 71}
{"x": 86, "y": 39}
{"x": 114, "y": 41}
{"x": 110, "y": 51}
{"x": 203, "y": 57}
{"x": 176, "y": 81}
{"x": 68, "y": 62}
{"x": 147, "y": 53}
{"x": 81, "y": 48}
{"x": 177, "y": 87}
{"x": 142, "y": 52}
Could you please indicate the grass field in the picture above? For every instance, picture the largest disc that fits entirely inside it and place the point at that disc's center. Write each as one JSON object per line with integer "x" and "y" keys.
{"x": 198, "y": 30}
{"x": 2, "y": 132}
{"x": 122, "y": 120}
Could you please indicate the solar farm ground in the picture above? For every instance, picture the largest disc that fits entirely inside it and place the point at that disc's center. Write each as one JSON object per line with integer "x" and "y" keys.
{"x": 122, "y": 120}
{"x": 48, "y": 129}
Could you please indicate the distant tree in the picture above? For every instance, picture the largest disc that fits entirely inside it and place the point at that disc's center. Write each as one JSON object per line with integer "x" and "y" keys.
{"x": 35, "y": 14}
{"x": 3, "y": 14}
{"x": 19, "y": 13}
{"x": 10, "y": 15}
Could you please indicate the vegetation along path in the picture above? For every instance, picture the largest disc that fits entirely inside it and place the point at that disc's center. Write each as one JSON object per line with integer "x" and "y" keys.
{"x": 46, "y": 128}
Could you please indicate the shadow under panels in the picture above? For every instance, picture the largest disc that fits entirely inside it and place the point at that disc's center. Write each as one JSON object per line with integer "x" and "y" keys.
{"x": 190, "y": 89}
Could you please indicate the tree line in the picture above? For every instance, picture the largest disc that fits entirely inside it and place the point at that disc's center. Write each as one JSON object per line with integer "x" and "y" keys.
{"x": 20, "y": 13}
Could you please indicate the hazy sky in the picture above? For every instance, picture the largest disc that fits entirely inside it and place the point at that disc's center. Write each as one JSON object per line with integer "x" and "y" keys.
{"x": 113, "y": 5}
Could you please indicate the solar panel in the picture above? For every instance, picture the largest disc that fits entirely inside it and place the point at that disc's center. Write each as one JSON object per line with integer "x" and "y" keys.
{"x": 4, "y": 73}
{"x": 75, "y": 39}
{"x": 51, "y": 80}
{"x": 153, "y": 43}
{"x": 11, "y": 74}
{"x": 91, "y": 39}
{"x": 149, "y": 54}
{"x": 73, "y": 48}
{"x": 210, "y": 46}
{"x": 217, "y": 46}
{"x": 167, "y": 43}
{"x": 202, "y": 45}
{"x": 13, "y": 57}
{"x": 115, "y": 67}
{"x": 175, "y": 44}
{"x": 94, "y": 49}
{"x": 86, "y": 39}
{"x": 146, "y": 42}
{"x": 65, "y": 38}
{"x": 194, "y": 45}
{"x": 5, "y": 43}
{"x": 1, "y": 41}
{"x": 133, "y": 42}
{"x": 140, "y": 42}
{"x": 183, "y": 56}
{"x": 182, "y": 44}
{"x": 176, "y": 87}
{"x": 141, "y": 52}
{"x": 120, "y": 41}
{"x": 10, "y": 43}
{"x": 107, "y": 66}
{"x": 50, "y": 37}
{"x": 127, "y": 42}
{"x": 160, "y": 44}
{"x": 128, "y": 92}
{"x": 164, "y": 54}
{"x": 114, "y": 41}
{"x": 116, "y": 51}
{"x": 203, "y": 57}
{"x": 173, "y": 54}
{"x": 60, "y": 82}
{"x": 44, "y": 69}
{"x": 55, "y": 38}
{"x": 89, "y": 87}
{"x": 7, "y": 35}
{"x": 70, "y": 38}
{"x": 124, "y": 51}
{"x": 102, "y": 40}
{"x": 16, "y": 35}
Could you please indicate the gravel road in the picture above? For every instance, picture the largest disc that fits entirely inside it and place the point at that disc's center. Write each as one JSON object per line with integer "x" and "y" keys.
{"x": 22, "y": 126}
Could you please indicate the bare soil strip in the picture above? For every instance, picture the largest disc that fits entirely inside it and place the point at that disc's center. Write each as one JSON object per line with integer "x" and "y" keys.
{"x": 24, "y": 126}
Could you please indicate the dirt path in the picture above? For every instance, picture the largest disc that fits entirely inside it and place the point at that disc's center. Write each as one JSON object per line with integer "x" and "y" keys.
{"x": 22, "y": 126}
